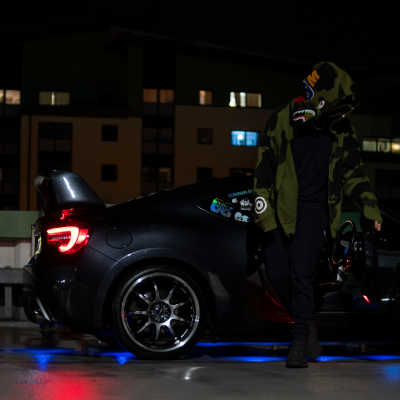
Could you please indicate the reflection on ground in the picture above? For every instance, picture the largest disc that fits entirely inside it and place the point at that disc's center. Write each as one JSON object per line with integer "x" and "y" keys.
{"x": 77, "y": 366}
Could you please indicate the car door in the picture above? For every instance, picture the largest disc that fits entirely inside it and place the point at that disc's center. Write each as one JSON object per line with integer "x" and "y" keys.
{"x": 381, "y": 275}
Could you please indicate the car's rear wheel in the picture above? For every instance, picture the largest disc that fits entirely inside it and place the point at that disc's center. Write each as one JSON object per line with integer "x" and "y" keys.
{"x": 158, "y": 313}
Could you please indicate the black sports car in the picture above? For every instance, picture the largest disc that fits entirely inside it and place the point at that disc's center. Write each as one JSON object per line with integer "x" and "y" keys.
{"x": 158, "y": 272}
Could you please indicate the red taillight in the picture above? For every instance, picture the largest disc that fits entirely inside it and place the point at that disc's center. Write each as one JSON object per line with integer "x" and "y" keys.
{"x": 68, "y": 239}
{"x": 366, "y": 298}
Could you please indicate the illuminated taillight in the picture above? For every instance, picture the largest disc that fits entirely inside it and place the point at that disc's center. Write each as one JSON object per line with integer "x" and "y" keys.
{"x": 68, "y": 239}
{"x": 366, "y": 298}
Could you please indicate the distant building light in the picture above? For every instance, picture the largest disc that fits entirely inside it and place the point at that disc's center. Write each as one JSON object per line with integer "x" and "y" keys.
{"x": 205, "y": 97}
{"x": 381, "y": 145}
{"x": 242, "y": 99}
{"x": 244, "y": 138}
{"x": 54, "y": 98}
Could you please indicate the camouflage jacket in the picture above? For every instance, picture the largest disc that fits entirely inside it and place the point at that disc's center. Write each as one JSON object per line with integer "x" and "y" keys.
{"x": 275, "y": 183}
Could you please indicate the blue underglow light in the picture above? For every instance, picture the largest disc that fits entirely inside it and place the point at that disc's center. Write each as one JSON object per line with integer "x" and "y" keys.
{"x": 367, "y": 357}
{"x": 254, "y": 359}
{"x": 208, "y": 344}
{"x": 43, "y": 360}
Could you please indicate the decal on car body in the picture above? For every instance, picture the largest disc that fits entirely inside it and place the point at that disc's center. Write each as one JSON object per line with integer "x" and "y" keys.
{"x": 241, "y": 217}
{"x": 245, "y": 205}
{"x": 218, "y": 206}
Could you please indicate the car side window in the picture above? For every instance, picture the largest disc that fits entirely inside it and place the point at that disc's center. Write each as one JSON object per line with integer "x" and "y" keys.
{"x": 235, "y": 206}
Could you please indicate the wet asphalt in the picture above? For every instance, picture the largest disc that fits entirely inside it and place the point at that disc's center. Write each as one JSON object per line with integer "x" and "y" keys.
{"x": 77, "y": 366}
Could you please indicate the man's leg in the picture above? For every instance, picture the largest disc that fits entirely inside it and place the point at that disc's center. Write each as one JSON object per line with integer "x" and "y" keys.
{"x": 304, "y": 251}
{"x": 276, "y": 259}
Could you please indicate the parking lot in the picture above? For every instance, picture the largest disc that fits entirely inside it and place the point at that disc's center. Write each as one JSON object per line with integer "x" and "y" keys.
{"x": 77, "y": 366}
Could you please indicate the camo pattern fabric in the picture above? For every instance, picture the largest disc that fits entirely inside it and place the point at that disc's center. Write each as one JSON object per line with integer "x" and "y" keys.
{"x": 275, "y": 181}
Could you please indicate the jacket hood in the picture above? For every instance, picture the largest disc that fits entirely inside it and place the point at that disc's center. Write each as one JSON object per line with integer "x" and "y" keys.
{"x": 326, "y": 85}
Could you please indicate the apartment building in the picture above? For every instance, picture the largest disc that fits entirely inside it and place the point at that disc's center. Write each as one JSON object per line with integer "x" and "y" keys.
{"x": 135, "y": 113}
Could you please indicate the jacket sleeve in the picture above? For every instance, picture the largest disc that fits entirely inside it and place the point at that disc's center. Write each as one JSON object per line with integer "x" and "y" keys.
{"x": 354, "y": 181}
{"x": 264, "y": 177}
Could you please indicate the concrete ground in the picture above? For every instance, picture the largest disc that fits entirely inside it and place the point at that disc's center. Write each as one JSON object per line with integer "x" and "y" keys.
{"x": 76, "y": 366}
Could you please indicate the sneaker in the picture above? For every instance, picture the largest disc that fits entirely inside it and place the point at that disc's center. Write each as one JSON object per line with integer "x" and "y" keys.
{"x": 297, "y": 356}
{"x": 313, "y": 347}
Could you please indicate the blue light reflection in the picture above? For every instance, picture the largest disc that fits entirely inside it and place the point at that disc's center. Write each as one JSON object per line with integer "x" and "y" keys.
{"x": 43, "y": 360}
{"x": 208, "y": 344}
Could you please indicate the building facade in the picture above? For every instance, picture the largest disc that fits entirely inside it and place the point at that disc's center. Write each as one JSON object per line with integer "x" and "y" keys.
{"x": 135, "y": 113}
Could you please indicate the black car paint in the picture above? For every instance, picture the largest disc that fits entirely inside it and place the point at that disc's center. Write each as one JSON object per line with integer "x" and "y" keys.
{"x": 174, "y": 227}
{"x": 166, "y": 227}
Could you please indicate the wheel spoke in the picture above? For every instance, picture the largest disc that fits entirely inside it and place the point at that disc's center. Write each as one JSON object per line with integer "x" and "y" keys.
{"x": 157, "y": 294}
{"x": 158, "y": 328}
{"x": 137, "y": 313}
{"x": 143, "y": 298}
{"x": 176, "y": 318}
{"x": 171, "y": 330}
{"x": 175, "y": 306}
{"x": 144, "y": 327}
{"x": 170, "y": 293}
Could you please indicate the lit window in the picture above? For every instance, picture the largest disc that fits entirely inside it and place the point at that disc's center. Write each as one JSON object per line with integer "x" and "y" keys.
{"x": 369, "y": 145}
{"x": 205, "y": 97}
{"x": 396, "y": 146}
{"x": 10, "y": 96}
{"x": 244, "y": 138}
{"x": 384, "y": 145}
{"x": 149, "y": 95}
{"x": 242, "y": 99}
{"x": 204, "y": 136}
{"x": 54, "y": 98}
{"x": 166, "y": 96}
{"x": 254, "y": 100}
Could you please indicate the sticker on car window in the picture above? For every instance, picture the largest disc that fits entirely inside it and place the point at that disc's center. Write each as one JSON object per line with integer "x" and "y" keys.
{"x": 245, "y": 205}
{"x": 240, "y": 193}
{"x": 219, "y": 207}
{"x": 241, "y": 217}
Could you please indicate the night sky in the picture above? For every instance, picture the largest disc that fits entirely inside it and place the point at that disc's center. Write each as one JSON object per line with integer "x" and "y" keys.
{"x": 355, "y": 37}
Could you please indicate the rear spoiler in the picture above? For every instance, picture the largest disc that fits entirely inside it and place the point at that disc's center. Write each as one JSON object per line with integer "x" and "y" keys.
{"x": 65, "y": 193}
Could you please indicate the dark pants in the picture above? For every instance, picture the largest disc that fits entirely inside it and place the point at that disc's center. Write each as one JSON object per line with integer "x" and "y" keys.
{"x": 291, "y": 263}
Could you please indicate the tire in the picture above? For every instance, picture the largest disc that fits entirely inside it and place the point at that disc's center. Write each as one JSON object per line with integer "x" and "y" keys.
{"x": 158, "y": 313}
{"x": 110, "y": 340}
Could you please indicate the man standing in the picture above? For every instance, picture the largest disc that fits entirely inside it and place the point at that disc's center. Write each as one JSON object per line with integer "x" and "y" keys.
{"x": 308, "y": 157}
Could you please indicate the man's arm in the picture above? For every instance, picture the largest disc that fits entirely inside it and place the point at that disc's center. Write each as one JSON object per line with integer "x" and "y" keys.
{"x": 354, "y": 181}
{"x": 264, "y": 177}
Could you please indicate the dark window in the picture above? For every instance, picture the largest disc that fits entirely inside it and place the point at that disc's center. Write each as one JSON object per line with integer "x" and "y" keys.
{"x": 109, "y": 133}
{"x": 149, "y": 174}
{"x": 241, "y": 171}
{"x": 108, "y": 172}
{"x": 387, "y": 184}
{"x": 55, "y": 146}
{"x": 204, "y": 136}
{"x": 204, "y": 174}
